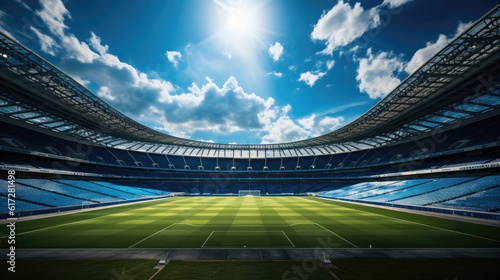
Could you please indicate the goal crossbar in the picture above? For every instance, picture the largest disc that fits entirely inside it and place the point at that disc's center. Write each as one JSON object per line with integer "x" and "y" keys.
{"x": 249, "y": 193}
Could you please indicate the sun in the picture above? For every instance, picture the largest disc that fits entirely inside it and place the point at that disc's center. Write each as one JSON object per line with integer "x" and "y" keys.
{"x": 239, "y": 22}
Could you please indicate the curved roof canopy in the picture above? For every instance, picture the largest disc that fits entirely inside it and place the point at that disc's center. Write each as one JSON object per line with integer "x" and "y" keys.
{"x": 459, "y": 82}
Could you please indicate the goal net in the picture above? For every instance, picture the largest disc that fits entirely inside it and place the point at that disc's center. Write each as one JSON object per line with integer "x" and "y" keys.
{"x": 249, "y": 192}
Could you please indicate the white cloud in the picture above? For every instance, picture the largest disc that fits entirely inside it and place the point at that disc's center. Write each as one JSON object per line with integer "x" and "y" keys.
{"x": 95, "y": 42}
{"x": 275, "y": 74}
{"x": 207, "y": 141}
{"x": 376, "y": 74}
{"x": 105, "y": 93}
{"x": 225, "y": 99}
{"x": 310, "y": 78}
{"x": 328, "y": 124}
{"x": 462, "y": 26}
{"x": 324, "y": 125}
{"x": 78, "y": 50}
{"x": 24, "y": 5}
{"x": 423, "y": 54}
{"x": 343, "y": 24}
{"x": 284, "y": 129}
{"x": 48, "y": 44}
{"x": 395, "y": 3}
{"x": 431, "y": 48}
{"x": 276, "y": 51}
{"x": 53, "y": 13}
{"x": 286, "y": 109}
{"x": 329, "y": 64}
{"x": 180, "y": 114}
{"x": 174, "y": 57}
{"x": 85, "y": 83}
{"x": 292, "y": 67}
{"x": 307, "y": 123}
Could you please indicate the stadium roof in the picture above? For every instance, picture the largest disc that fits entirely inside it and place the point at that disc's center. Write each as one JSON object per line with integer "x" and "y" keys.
{"x": 460, "y": 82}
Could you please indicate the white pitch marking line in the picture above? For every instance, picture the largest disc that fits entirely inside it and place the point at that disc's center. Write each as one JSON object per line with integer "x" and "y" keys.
{"x": 247, "y": 231}
{"x": 152, "y": 235}
{"x": 296, "y": 224}
{"x": 288, "y": 238}
{"x": 207, "y": 239}
{"x": 337, "y": 235}
{"x": 426, "y": 225}
{"x": 187, "y": 224}
{"x": 67, "y": 224}
{"x": 450, "y": 230}
{"x": 56, "y": 226}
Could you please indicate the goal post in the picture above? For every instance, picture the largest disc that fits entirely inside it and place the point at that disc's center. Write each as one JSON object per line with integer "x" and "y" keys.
{"x": 249, "y": 193}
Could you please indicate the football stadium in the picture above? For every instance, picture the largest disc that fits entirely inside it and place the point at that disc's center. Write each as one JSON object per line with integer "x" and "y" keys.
{"x": 408, "y": 190}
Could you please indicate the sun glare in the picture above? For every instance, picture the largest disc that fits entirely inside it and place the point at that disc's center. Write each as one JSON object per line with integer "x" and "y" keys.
{"x": 239, "y": 23}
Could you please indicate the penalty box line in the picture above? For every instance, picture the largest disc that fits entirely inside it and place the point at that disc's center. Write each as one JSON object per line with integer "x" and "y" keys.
{"x": 286, "y": 236}
{"x": 417, "y": 223}
{"x": 352, "y": 244}
{"x": 288, "y": 239}
{"x": 207, "y": 239}
{"x": 151, "y": 235}
{"x": 409, "y": 221}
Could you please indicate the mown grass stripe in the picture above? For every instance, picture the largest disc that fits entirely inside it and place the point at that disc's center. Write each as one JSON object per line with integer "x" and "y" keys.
{"x": 300, "y": 219}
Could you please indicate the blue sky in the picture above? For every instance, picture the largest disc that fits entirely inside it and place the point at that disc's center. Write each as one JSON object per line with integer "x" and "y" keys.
{"x": 238, "y": 71}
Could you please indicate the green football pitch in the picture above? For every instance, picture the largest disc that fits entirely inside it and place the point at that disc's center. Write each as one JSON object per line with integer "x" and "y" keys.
{"x": 249, "y": 222}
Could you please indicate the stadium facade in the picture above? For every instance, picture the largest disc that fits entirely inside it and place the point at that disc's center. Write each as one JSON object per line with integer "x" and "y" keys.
{"x": 433, "y": 143}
